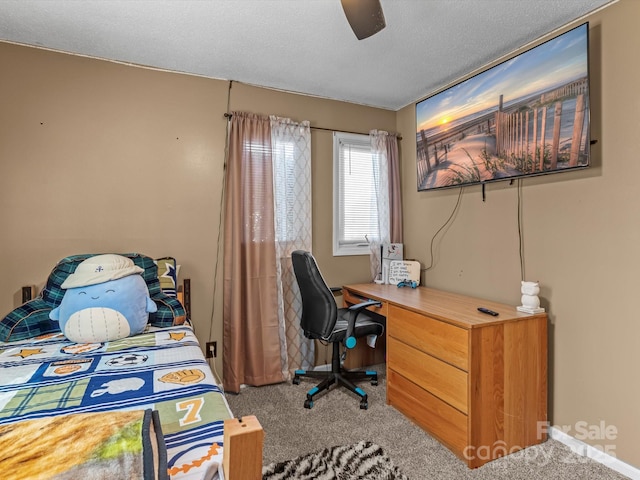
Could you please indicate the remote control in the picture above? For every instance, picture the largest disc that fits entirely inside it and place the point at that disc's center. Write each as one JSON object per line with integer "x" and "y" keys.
{"x": 487, "y": 311}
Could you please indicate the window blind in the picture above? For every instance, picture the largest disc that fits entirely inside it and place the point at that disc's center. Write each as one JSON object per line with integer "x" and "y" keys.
{"x": 357, "y": 193}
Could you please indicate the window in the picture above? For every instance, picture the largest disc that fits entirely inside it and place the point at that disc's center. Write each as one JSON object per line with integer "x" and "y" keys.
{"x": 284, "y": 174}
{"x": 355, "y": 210}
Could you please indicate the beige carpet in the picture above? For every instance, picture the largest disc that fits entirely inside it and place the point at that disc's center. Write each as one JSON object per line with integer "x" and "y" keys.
{"x": 336, "y": 419}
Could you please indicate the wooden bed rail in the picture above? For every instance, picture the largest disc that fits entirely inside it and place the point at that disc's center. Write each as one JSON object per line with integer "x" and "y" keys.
{"x": 183, "y": 294}
{"x": 242, "y": 451}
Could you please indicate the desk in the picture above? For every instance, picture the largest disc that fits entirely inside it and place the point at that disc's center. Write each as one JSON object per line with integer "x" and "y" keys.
{"x": 477, "y": 383}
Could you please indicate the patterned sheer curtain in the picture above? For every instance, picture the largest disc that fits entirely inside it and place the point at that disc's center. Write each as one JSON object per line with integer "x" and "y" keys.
{"x": 384, "y": 155}
{"x": 267, "y": 170}
{"x": 291, "y": 144}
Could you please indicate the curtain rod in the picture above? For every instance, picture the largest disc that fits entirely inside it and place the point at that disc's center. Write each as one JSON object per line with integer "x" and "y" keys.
{"x": 229, "y": 115}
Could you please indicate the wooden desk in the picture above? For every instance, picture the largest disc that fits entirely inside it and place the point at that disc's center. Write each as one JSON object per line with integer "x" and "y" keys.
{"x": 476, "y": 382}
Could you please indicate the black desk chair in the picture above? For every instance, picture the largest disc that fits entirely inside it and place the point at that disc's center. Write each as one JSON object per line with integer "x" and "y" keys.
{"x": 323, "y": 320}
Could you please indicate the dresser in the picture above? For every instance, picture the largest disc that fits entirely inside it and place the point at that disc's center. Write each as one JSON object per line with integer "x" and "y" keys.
{"x": 476, "y": 382}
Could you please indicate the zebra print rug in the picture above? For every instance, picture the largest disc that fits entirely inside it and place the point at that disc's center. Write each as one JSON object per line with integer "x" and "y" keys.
{"x": 363, "y": 460}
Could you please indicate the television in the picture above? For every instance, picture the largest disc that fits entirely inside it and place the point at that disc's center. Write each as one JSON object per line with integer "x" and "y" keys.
{"x": 528, "y": 115}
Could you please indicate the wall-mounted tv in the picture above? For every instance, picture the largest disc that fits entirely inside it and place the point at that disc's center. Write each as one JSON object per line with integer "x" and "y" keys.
{"x": 528, "y": 115}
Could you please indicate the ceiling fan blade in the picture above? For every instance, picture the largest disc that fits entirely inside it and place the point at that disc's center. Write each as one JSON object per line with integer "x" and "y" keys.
{"x": 364, "y": 16}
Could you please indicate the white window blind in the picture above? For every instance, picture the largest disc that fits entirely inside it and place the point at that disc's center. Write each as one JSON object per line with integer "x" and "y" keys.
{"x": 355, "y": 194}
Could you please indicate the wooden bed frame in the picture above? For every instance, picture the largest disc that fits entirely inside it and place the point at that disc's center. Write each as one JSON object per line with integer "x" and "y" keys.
{"x": 242, "y": 452}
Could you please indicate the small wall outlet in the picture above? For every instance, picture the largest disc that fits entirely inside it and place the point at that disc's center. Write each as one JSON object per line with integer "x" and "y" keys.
{"x": 211, "y": 350}
{"x": 28, "y": 293}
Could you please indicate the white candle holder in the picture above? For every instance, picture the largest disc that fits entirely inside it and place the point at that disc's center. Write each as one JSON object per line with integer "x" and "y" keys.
{"x": 529, "y": 299}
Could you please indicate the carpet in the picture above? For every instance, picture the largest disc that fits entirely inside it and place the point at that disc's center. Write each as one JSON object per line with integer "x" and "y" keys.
{"x": 363, "y": 460}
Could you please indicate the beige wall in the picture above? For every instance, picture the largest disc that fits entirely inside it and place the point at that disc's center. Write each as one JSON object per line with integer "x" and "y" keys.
{"x": 96, "y": 156}
{"x": 101, "y": 157}
{"x": 581, "y": 241}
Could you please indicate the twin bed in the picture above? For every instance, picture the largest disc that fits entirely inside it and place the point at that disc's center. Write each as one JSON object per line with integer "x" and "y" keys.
{"x": 146, "y": 406}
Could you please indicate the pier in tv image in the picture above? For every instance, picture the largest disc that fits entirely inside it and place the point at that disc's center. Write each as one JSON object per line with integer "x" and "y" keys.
{"x": 526, "y": 116}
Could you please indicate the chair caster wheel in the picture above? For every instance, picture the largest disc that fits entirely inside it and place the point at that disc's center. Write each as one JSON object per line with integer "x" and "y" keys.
{"x": 309, "y": 404}
{"x": 364, "y": 405}
{"x": 296, "y": 380}
{"x": 374, "y": 381}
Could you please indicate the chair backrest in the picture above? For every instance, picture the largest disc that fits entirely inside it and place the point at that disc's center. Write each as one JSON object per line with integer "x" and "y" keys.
{"x": 319, "y": 309}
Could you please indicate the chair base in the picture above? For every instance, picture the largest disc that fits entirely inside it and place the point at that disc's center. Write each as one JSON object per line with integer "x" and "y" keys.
{"x": 337, "y": 376}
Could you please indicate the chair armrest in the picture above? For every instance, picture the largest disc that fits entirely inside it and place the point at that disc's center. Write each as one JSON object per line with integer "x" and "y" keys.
{"x": 354, "y": 311}
{"x": 358, "y": 307}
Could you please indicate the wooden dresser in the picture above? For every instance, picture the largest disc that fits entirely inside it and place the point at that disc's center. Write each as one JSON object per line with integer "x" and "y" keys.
{"x": 476, "y": 382}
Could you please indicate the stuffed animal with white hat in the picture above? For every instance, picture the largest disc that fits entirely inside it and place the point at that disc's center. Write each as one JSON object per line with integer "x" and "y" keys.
{"x": 106, "y": 299}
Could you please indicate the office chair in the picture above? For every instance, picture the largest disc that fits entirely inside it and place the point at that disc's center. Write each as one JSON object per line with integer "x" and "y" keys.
{"x": 323, "y": 320}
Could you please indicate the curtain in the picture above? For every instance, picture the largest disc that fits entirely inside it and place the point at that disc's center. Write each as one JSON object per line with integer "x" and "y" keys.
{"x": 251, "y": 326}
{"x": 291, "y": 145}
{"x": 395, "y": 193}
{"x": 267, "y": 216}
{"x": 384, "y": 154}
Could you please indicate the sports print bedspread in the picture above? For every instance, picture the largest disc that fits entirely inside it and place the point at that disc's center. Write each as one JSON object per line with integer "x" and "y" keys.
{"x": 162, "y": 370}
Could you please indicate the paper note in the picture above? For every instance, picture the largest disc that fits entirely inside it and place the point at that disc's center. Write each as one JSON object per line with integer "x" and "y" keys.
{"x": 400, "y": 270}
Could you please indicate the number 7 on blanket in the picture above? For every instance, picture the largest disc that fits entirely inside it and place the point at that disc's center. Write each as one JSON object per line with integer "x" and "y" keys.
{"x": 193, "y": 406}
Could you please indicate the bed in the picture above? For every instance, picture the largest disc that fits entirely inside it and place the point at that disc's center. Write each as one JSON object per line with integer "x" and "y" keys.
{"x": 140, "y": 406}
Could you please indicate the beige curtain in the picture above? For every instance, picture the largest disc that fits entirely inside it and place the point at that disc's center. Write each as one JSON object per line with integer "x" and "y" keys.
{"x": 395, "y": 194}
{"x": 252, "y": 352}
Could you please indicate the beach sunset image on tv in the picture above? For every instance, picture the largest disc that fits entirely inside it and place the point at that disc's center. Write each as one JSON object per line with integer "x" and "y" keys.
{"x": 528, "y": 115}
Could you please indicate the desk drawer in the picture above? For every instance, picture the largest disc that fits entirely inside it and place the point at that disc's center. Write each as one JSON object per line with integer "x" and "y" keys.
{"x": 444, "y": 422}
{"x": 352, "y": 299}
{"x": 437, "y": 377}
{"x": 440, "y": 339}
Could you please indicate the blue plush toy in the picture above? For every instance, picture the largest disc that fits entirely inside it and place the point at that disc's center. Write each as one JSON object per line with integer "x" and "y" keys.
{"x": 106, "y": 298}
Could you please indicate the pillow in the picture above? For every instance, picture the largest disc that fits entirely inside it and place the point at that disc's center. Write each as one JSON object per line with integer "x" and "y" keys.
{"x": 105, "y": 299}
{"x": 32, "y": 318}
{"x": 167, "y": 275}
{"x": 29, "y": 320}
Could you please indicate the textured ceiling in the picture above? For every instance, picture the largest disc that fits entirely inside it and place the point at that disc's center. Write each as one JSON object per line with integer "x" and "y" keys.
{"x": 303, "y": 46}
